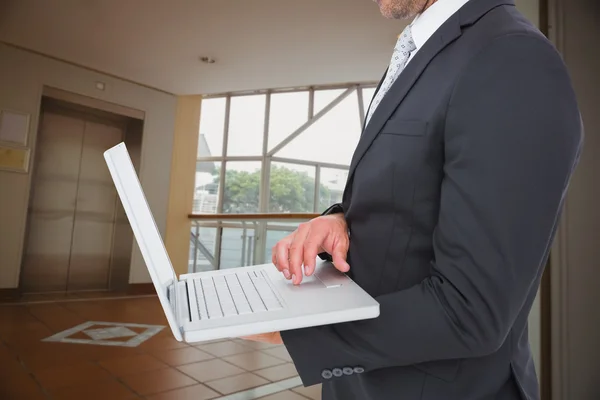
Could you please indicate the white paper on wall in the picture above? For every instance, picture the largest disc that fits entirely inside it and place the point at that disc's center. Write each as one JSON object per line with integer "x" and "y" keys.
{"x": 14, "y": 127}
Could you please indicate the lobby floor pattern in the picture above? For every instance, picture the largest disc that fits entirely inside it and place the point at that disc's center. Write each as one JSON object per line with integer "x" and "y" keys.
{"x": 120, "y": 349}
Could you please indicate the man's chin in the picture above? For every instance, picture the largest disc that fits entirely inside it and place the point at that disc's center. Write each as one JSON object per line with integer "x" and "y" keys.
{"x": 391, "y": 14}
{"x": 386, "y": 12}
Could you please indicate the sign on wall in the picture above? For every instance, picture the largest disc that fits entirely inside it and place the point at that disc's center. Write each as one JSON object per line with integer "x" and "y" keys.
{"x": 14, "y": 130}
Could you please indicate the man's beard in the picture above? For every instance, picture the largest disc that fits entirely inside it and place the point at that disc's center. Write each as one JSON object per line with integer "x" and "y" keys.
{"x": 403, "y": 9}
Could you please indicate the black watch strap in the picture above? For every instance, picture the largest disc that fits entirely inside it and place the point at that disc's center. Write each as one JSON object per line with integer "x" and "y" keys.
{"x": 334, "y": 209}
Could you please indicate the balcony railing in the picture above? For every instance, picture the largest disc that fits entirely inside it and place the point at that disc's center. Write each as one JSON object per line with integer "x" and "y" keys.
{"x": 220, "y": 241}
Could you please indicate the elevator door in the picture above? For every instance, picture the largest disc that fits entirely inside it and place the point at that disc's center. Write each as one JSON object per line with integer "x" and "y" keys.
{"x": 73, "y": 205}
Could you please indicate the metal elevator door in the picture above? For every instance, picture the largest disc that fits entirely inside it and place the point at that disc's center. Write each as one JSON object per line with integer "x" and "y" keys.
{"x": 73, "y": 205}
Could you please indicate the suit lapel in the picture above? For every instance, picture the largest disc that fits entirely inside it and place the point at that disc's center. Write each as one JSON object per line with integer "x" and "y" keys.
{"x": 444, "y": 36}
{"x": 469, "y": 14}
{"x": 374, "y": 94}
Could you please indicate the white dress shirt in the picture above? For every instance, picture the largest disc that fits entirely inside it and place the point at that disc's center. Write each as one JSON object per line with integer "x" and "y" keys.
{"x": 426, "y": 24}
{"x": 421, "y": 29}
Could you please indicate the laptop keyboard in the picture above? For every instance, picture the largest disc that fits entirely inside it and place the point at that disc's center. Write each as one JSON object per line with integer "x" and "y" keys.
{"x": 234, "y": 294}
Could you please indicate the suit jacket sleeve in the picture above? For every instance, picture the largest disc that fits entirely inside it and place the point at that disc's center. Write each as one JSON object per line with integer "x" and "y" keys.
{"x": 512, "y": 138}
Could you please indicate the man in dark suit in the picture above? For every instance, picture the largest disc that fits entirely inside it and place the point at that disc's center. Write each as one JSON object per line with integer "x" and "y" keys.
{"x": 449, "y": 211}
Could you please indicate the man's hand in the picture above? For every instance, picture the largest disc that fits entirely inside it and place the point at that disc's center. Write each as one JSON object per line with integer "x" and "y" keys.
{"x": 271, "y": 338}
{"x": 328, "y": 233}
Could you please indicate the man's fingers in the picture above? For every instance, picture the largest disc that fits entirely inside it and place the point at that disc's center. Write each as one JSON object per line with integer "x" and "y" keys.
{"x": 275, "y": 257}
{"x": 296, "y": 254}
{"x": 339, "y": 259}
{"x": 312, "y": 246}
{"x": 280, "y": 255}
{"x": 280, "y": 258}
{"x": 303, "y": 246}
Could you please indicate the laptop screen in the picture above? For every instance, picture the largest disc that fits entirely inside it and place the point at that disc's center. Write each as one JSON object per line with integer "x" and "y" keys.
{"x": 144, "y": 228}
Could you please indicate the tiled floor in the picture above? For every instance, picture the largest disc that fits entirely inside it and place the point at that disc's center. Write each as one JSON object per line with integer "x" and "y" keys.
{"x": 97, "y": 362}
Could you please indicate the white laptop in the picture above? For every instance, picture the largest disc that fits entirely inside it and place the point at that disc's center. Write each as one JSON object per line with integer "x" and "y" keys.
{"x": 239, "y": 301}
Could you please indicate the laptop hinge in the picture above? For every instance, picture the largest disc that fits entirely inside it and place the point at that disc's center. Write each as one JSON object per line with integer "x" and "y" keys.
{"x": 184, "y": 297}
{"x": 179, "y": 302}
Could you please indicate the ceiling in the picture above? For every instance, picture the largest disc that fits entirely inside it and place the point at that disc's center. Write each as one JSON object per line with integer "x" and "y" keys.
{"x": 257, "y": 44}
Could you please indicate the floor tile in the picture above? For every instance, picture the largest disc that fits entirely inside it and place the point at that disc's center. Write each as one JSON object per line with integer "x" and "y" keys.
{"x": 20, "y": 386}
{"x": 132, "y": 365}
{"x": 287, "y": 395}
{"x": 77, "y": 374}
{"x": 8, "y": 362}
{"x": 112, "y": 390}
{"x": 54, "y": 316}
{"x": 223, "y": 349}
{"x": 278, "y": 372}
{"x": 103, "y": 353}
{"x": 253, "y": 361}
{"x": 210, "y": 370}
{"x": 17, "y": 319}
{"x": 312, "y": 392}
{"x": 211, "y": 341}
{"x": 237, "y": 383}
{"x": 256, "y": 345}
{"x": 279, "y": 352}
{"x": 24, "y": 338}
{"x": 177, "y": 357}
{"x": 264, "y": 390}
{"x": 162, "y": 342}
{"x": 158, "y": 381}
{"x": 43, "y": 356}
{"x": 196, "y": 392}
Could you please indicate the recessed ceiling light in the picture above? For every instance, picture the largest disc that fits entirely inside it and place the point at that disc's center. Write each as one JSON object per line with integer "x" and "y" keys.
{"x": 207, "y": 60}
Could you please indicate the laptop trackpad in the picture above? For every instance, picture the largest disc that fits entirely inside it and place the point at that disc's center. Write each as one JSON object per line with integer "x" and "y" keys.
{"x": 331, "y": 277}
{"x": 307, "y": 282}
{"x": 327, "y": 277}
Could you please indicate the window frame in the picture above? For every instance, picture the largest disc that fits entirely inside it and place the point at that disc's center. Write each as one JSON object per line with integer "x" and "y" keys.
{"x": 268, "y": 157}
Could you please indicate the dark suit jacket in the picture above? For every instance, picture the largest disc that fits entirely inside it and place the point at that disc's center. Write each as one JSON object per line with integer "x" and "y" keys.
{"x": 452, "y": 203}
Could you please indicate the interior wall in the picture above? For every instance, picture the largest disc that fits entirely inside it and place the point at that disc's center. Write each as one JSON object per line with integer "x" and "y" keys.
{"x": 531, "y": 10}
{"x": 183, "y": 176}
{"x": 575, "y": 278}
{"x": 23, "y": 76}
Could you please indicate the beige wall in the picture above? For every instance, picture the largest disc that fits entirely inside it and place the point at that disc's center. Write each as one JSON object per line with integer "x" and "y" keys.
{"x": 531, "y": 10}
{"x": 183, "y": 176}
{"x": 576, "y": 256}
{"x": 22, "y": 77}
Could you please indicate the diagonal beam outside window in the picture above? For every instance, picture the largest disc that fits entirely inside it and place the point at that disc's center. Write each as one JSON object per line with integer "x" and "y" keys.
{"x": 361, "y": 107}
{"x": 311, "y": 121}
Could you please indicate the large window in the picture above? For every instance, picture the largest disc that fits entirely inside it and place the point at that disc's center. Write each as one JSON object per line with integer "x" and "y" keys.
{"x": 284, "y": 151}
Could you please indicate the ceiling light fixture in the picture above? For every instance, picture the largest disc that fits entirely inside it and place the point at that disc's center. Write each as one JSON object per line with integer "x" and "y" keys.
{"x": 207, "y": 60}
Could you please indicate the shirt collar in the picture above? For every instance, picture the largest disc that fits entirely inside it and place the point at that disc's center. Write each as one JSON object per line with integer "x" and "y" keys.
{"x": 424, "y": 25}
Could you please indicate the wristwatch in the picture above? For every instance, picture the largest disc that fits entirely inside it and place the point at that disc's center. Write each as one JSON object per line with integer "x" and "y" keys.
{"x": 334, "y": 209}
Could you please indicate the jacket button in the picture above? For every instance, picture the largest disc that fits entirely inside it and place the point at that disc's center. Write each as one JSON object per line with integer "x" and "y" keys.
{"x": 337, "y": 372}
{"x": 348, "y": 371}
{"x": 359, "y": 370}
{"x": 326, "y": 374}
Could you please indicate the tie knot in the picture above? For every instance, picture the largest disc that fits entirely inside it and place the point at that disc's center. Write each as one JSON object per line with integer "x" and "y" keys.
{"x": 405, "y": 43}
